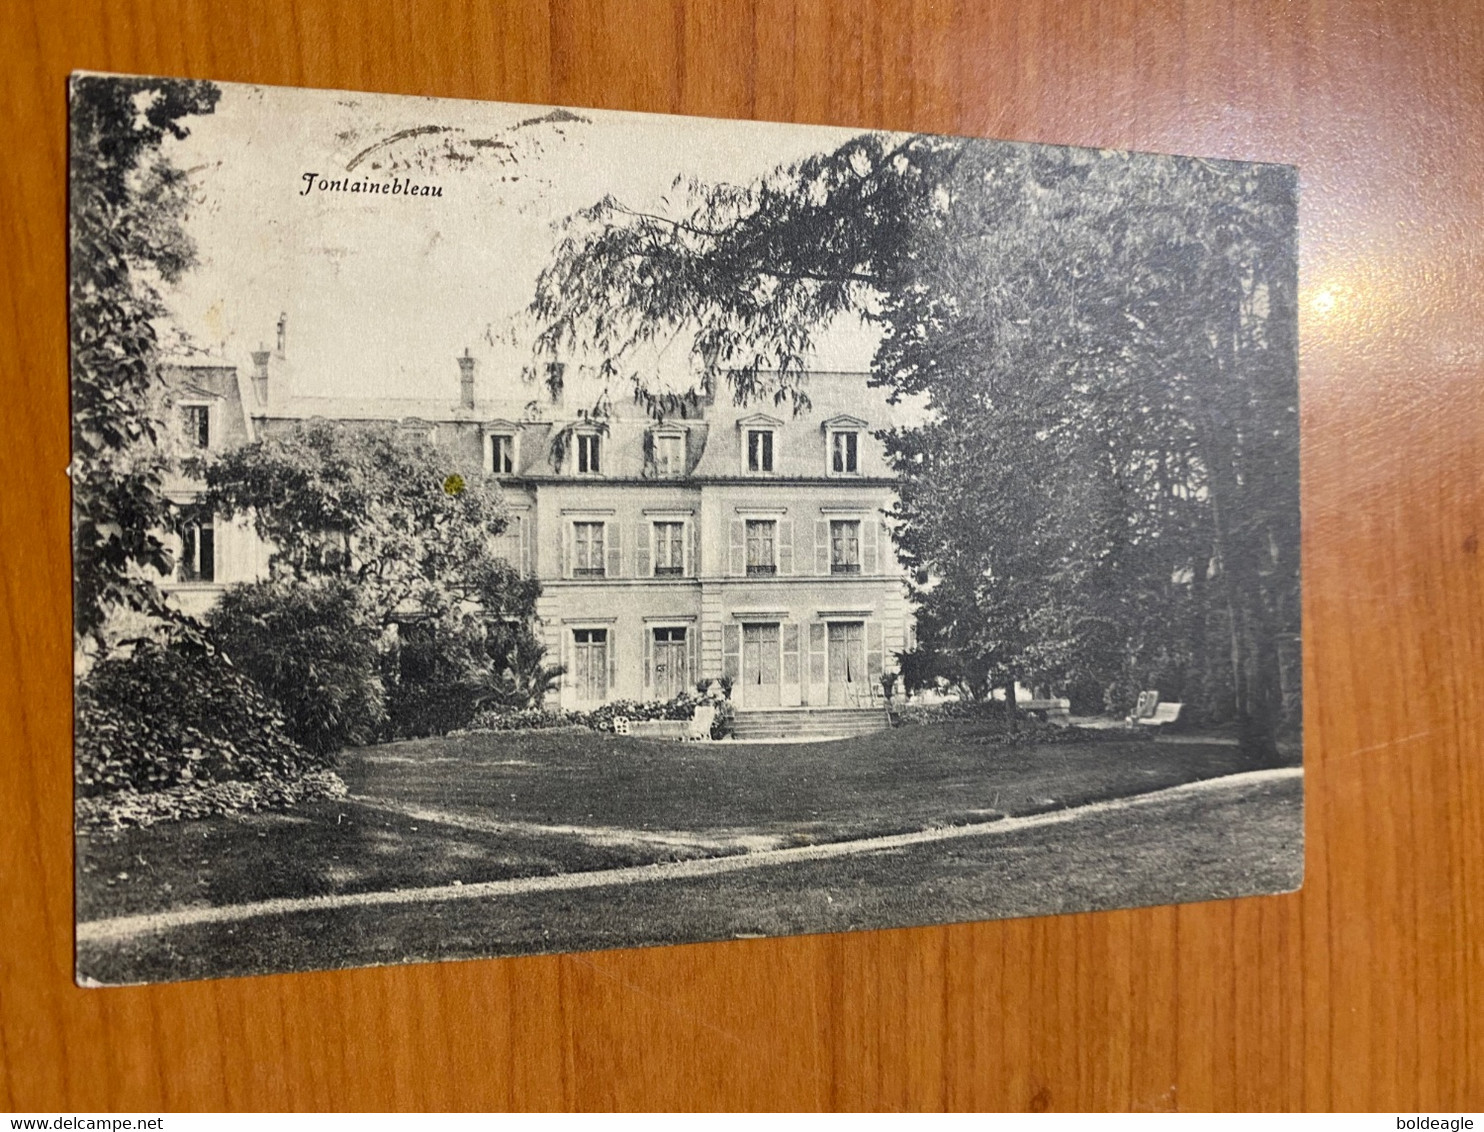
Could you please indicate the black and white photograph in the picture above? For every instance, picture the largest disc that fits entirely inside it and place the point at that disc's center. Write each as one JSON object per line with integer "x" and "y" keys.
{"x": 505, "y": 529}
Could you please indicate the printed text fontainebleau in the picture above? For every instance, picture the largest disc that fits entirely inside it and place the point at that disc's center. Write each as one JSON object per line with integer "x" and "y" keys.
{"x": 398, "y": 186}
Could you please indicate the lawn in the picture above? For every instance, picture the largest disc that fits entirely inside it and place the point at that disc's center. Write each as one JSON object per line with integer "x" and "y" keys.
{"x": 1230, "y": 840}
{"x": 492, "y": 806}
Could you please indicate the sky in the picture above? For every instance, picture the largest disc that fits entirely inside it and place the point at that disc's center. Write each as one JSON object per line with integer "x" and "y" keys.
{"x": 382, "y": 292}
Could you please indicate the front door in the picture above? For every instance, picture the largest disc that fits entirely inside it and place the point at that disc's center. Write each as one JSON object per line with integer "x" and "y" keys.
{"x": 590, "y": 672}
{"x": 760, "y": 664}
{"x": 670, "y": 663}
{"x": 847, "y": 658}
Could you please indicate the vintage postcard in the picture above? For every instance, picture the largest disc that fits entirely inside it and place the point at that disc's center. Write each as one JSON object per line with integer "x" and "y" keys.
{"x": 508, "y": 529}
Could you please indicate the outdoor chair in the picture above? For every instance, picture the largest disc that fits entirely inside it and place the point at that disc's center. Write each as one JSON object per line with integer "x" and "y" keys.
{"x": 701, "y": 721}
{"x": 1145, "y": 706}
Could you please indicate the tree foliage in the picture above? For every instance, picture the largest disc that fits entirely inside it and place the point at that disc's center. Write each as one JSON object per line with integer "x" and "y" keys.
{"x": 375, "y": 506}
{"x": 311, "y": 646}
{"x": 127, "y": 203}
{"x": 1104, "y": 491}
{"x": 387, "y": 589}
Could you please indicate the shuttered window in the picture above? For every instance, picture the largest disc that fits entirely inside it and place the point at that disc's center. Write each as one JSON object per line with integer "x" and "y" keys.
{"x": 845, "y": 546}
{"x": 587, "y": 547}
{"x": 762, "y": 541}
{"x": 669, "y": 549}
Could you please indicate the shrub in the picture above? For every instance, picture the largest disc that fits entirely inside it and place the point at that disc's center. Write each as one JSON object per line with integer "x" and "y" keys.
{"x": 176, "y": 713}
{"x": 431, "y": 679}
{"x": 309, "y": 646}
{"x": 601, "y": 718}
{"x": 724, "y": 682}
{"x": 987, "y": 723}
{"x": 191, "y": 800}
{"x": 446, "y": 670}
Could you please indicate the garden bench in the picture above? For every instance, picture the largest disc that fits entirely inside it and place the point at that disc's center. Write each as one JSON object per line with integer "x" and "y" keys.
{"x": 697, "y": 727}
{"x": 1057, "y": 710}
{"x": 1163, "y": 713}
{"x": 654, "y": 728}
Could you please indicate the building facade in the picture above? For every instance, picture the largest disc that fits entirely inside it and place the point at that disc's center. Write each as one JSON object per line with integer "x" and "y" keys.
{"x": 722, "y": 541}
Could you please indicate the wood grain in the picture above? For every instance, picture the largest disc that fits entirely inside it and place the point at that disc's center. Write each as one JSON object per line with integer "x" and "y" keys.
{"x": 1364, "y": 991}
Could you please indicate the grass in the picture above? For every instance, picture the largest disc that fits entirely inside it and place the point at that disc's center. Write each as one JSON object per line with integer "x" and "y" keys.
{"x": 492, "y": 806}
{"x": 882, "y": 782}
{"x": 1230, "y": 841}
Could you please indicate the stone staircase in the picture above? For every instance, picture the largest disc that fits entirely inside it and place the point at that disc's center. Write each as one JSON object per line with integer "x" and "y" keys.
{"x": 804, "y": 722}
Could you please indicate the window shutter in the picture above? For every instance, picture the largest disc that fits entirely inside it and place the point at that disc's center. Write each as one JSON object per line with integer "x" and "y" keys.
{"x": 694, "y": 565}
{"x": 816, "y": 652}
{"x": 822, "y": 546}
{"x": 566, "y": 550}
{"x": 641, "y": 551}
{"x": 731, "y": 650}
{"x": 873, "y": 650}
{"x": 612, "y": 661}
{"x": 613, "y": 533}
{"x": 692, "y": 648}
{"x": 868, "y": 535}
{"x": 739, "y": 547}
{"x": 785, "y": 546}
{"x": 790, "y": 652}
{"x": 648, "y": 657}
{"x": 565, "y": 651}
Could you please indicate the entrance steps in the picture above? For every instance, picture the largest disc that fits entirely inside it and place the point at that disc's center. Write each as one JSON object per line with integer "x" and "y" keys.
{"x": 803, "y": 722}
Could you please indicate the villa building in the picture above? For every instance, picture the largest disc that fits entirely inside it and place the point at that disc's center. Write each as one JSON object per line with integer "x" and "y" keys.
{"x": 740, "y": 541}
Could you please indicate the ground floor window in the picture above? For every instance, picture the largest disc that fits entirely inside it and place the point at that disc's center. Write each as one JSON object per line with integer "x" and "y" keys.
{"x": 671, "y": 662}
{"x": 590, "y": 664}
{"x": 847, "y": 662}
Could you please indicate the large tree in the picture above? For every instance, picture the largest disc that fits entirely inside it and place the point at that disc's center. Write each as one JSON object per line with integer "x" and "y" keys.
{"x": 387, "y": 580}
{"x": 127, "y": 204}
{"x": 1106, "y": 485}
{"x": 379, "y": 507}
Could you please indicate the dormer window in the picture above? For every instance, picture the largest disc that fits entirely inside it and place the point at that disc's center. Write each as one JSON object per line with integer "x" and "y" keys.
{"x": 843, "y": 445}
{"x": 195, "y": 422}
{"x": 760, "y": 450}
{"x": 759, "y": 435}
{"x": 669, "y": 453}
{"x": 589, "y": 458}
{"x": 500, "y": 449}
{"x": 844, "y": 453}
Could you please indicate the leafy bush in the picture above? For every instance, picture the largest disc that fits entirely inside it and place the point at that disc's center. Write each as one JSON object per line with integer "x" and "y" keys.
{"x": 986, "y": 721}
{"x": 520, "y": 676}
{"x": 601, "y": 718}
{"x": 724, "y": 682}
{"x": 311, "y": 647}
{"x": 176, "y": 713}
{"x": 192, "y": 800}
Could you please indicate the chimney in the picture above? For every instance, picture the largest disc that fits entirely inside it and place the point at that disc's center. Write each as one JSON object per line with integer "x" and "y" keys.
{"x": 260, "y": 372}
{"x": 283, "y": 331}
{"x": 466, "y": 380}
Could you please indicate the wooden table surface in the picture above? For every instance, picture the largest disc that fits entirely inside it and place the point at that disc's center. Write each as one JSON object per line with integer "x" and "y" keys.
{"x": 1366, "y": 990}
